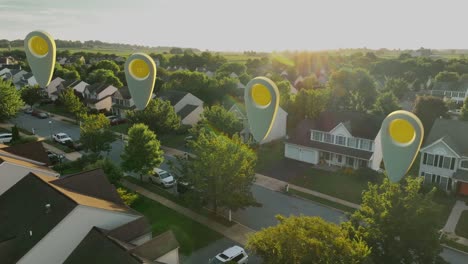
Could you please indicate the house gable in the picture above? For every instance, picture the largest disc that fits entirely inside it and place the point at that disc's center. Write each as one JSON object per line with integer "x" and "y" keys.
{"x": 340, "y": 130}
{"x": 439, "y": 147}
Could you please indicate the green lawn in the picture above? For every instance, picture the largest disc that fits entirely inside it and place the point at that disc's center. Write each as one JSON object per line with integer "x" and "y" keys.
{"x": 321, "y": 201}
{"x": 462, "y": 226}
{"x": 339, "y": 184}
{"x": 454, "y": 244}
{"x": 173, "y": 140}
{"x": 122, "y": 128}
{"x": 179, "y": 200}
{"x": 190, "y": 234}
{"x": 269, "y": 154}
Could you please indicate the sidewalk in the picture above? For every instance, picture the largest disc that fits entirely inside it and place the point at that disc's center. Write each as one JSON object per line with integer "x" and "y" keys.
{"x": 236, "y": 232}
{"x": 452, "y": 222}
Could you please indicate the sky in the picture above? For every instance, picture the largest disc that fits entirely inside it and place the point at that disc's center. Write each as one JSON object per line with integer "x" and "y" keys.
{"x": 228, "y": 25}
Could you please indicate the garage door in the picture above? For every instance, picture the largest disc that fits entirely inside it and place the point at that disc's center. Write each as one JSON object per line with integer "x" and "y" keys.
{"x": 301, "y": 154}
{"x": 292, "y": 152}
{"x": 309, "y": 156}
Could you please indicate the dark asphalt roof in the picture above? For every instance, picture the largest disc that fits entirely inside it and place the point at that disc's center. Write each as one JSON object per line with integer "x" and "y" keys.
{"x": 96, "y": 247}
{"x": 92, "y": 183}
{"x": 23, "y": 209}
{"x": 124, "y": 92}
{"x": 131, "y": 230}
{"x": 172, "y": 96}
{"x": 157, "y": 246}
{"x": 453, "y": 132}
{"x": 97, "y": 87}
{"x": 186, "y": 110}
{"x": 33, "y": 151}
{"x": 461, "y": 175}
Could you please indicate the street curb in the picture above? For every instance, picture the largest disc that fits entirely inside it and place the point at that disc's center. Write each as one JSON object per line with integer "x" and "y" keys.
{"x": 454, "y": 249}
{"x": 321, "y": 204}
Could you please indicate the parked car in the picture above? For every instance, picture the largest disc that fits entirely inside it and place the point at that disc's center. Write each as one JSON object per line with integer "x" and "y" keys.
{"x": 117, "y": 121}
{"x": 162, "y": 177}
{"x": 111, "y": 117}
{"x": 5, "y": 137}
{"x": 28, "y": 111}
{"x": 54, "y": 157}
{"x": 75, "y": 145}
{"x": 233, "y": 254}
{"x": 183, "y": 186}
{"x": 61, "y": 138}
{"x": 39, "y": 114}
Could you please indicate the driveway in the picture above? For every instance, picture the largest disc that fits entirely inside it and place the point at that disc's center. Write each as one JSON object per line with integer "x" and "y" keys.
{"x": 286, "y": 169}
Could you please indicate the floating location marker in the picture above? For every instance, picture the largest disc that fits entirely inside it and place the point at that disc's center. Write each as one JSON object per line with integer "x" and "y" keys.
{"x": 40, "y": 52}
{"x": 261, "y": 102}
{"x": 140, "y": 72}
{"x": 401, "y": 135}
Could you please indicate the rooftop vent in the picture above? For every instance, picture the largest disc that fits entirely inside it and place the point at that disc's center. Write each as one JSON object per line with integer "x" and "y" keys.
{"x": 48, "y": 208}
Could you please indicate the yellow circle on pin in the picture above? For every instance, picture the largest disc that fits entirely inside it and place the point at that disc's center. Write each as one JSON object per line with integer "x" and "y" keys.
{"x": 38, "y": 46}
{"x": 402, "y": 131}
{"x": 139, "y": 69}
{"x": 260, "y": 95}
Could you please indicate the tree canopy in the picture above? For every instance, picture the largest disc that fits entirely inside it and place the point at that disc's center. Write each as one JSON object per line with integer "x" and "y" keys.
{"x": 398, "y": 86}
{"x": 386, "y": 103}
{"x": 72, "y": 103}
{"x": 95, "y": 134}
{"x": 219, "y": 119}
{"x": 142, "y": 152}
{"x": 428, "y": 109}
{"x": 105, "y": 76}
{"x": 464, "y": 111}
{"x": 10, "y": 100}
{"x": 31, "y": 95}
{"x": 305, "y": 239}
{"x": 159, "y": 116}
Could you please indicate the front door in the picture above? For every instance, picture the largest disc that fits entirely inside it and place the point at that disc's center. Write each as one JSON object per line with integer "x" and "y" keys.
{"x": 463, "y": 188}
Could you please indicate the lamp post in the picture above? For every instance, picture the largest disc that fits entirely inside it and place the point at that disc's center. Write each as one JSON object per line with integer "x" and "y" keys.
{"x": 50, "y": 129}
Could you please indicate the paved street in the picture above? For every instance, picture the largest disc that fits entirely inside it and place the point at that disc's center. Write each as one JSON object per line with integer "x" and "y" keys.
{"x": 256, "y": 218}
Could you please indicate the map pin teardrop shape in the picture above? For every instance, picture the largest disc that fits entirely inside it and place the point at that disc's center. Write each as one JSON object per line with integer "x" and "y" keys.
{"x": 401, "y": 135}
{"x": 140, "y": 73}
{"x": 261, "y": 102}
{"x": 40, "y": 51}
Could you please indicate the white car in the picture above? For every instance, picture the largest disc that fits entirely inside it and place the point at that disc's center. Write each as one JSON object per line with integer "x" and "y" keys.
{"x": 5, "y": 137}
{"x": 162, "y": 177}
{"x": 234, "y": 254}
{"x": 61, "y": 138}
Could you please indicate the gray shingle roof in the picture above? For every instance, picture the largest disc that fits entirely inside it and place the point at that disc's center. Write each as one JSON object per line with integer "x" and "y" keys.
{"x": 158, "y": 246}
{"x": 97, "y": 87}
{"x": 186, "y": 110}
{"x": 125, "y": 92}
{"x": 461, "y": 175}
{"x": 453, "y": 132}
{"x": 172, "y": 96}
{"x": 131, "y": 230}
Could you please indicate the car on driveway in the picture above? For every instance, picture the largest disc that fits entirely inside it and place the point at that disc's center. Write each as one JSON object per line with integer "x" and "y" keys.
{"x": 54, "y": 157}
{"x": 39, "y": 114}
{"x": 162, "y": 177}
{"x": 233, "y": 254}
{"x": 117, "y": 121}
{"x": 5, "y": 137}
{"x": 61, "y": 138}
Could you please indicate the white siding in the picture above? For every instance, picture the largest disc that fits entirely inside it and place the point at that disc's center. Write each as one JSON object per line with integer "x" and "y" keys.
{"x": 278, "y": 130}
{"x": 378, "y": 156}
{"x": 10, "y": 174}
{"x": 172, "y": 257}
{"x": 194, "y": 117}
{"x": 60, "y": 242}
{"x": 340, "y": 130}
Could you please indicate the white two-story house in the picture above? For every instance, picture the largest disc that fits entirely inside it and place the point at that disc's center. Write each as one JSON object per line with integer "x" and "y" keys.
{"x": 344, "y": 139}
{"x": 186, "y": 105}
{"x": 99, "y": 96}
{"x": 444, "y": 156}
{"x": 122, "y": 101}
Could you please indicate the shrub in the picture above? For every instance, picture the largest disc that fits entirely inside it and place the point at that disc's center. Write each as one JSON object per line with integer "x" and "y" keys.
{"x": 24, "y": 140}
{"x": 15, "y": 136}
{"x": 128, "y": 197}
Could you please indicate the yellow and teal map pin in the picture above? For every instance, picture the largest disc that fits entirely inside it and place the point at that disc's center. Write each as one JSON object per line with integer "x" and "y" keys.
{"x": 401, "y": 135}
{"x": 40, "y": 53}
{"x": 261, "y": 103}
{"x": 140, "y": 72}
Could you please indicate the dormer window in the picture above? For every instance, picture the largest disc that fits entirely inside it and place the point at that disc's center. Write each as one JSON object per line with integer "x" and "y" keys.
{"x": 464, "y": 164}
{"x": 329, "y": 138}
{"x": 340, "y": 140}
{"x": 317, "y": 135}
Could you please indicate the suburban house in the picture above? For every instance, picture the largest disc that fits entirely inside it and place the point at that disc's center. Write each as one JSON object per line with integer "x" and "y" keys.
{"x": 28, "y": 79}
{"x": 52, "y": 88}
{"x": 99, "y": 96}
{"x": 79, "y": 88}
{"x": 344, "y": 139}
{"x": 186, "y": 105}
{"x": 32, "y": 151}
{"x": 7, "y": 61}
{"x": 278, "y": 130}
{"x": 444, "y": 156}
{"x": 78, "y": 218}
{"x": 122, "y": 101}
{"x": 16, "y": 76}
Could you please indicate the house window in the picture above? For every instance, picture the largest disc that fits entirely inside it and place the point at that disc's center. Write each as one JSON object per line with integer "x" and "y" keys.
{"x": 325, "y": 155}
{"x": 424, "y": 158}
{"x": 352, "y": 142}
{"x": 464, "y": 164}
{"x": 329, "y": 138}
{"x": 350, "y": 161}
{"x": 362, "y": 163}
{"x": 435, "y": 179}
{"x": 441, "y": 161}
{"x": 452, "y": 164}
{"x": 339, "y": 158}
{"x": 446, "y": 163}
{"x": 317, "y": 135}
{"x": 340, "y": 140}
{"x": 430, "y": 159}
{"x": 365, "y": 144}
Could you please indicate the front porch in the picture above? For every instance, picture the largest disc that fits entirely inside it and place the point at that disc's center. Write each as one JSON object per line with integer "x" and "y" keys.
{"x": 337, "y": 161}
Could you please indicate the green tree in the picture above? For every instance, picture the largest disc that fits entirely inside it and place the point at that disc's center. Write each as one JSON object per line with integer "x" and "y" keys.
{"x": 398, "y": 86}
{"x": 108, "y": 65}
{"x": 231, "y": 67}
{"x": 95, "y": 134}
{"x": 72, "y": 103}
{"x": 308, "y": 103}
{"x": 142, "y": 152}
{"x": 222, "y": 170}
{"x": 306, "y": 239}
{"x": 15, "y": 135}
{"x": 31, "y": 95}
{"x": 71, "y": 75}
{"x": 105, "y": 76}
{"x": 10, "y": 100}
{"x": 310, "y": 82}
{"x": 464, "y": 111}
{"x": 446, "y": 76}
{"x": 428, "y": 109}
{"x": 386, "y": 103}
{"x": 399, "y": 222}
{"x": 284, "y": 88}
{"x": 159, "y": 116}
{"x": 176, "y": 51}
{"x": 113, "y": 172}
{"x": 127, "y": 197}
{"x": 219, "y": 119}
